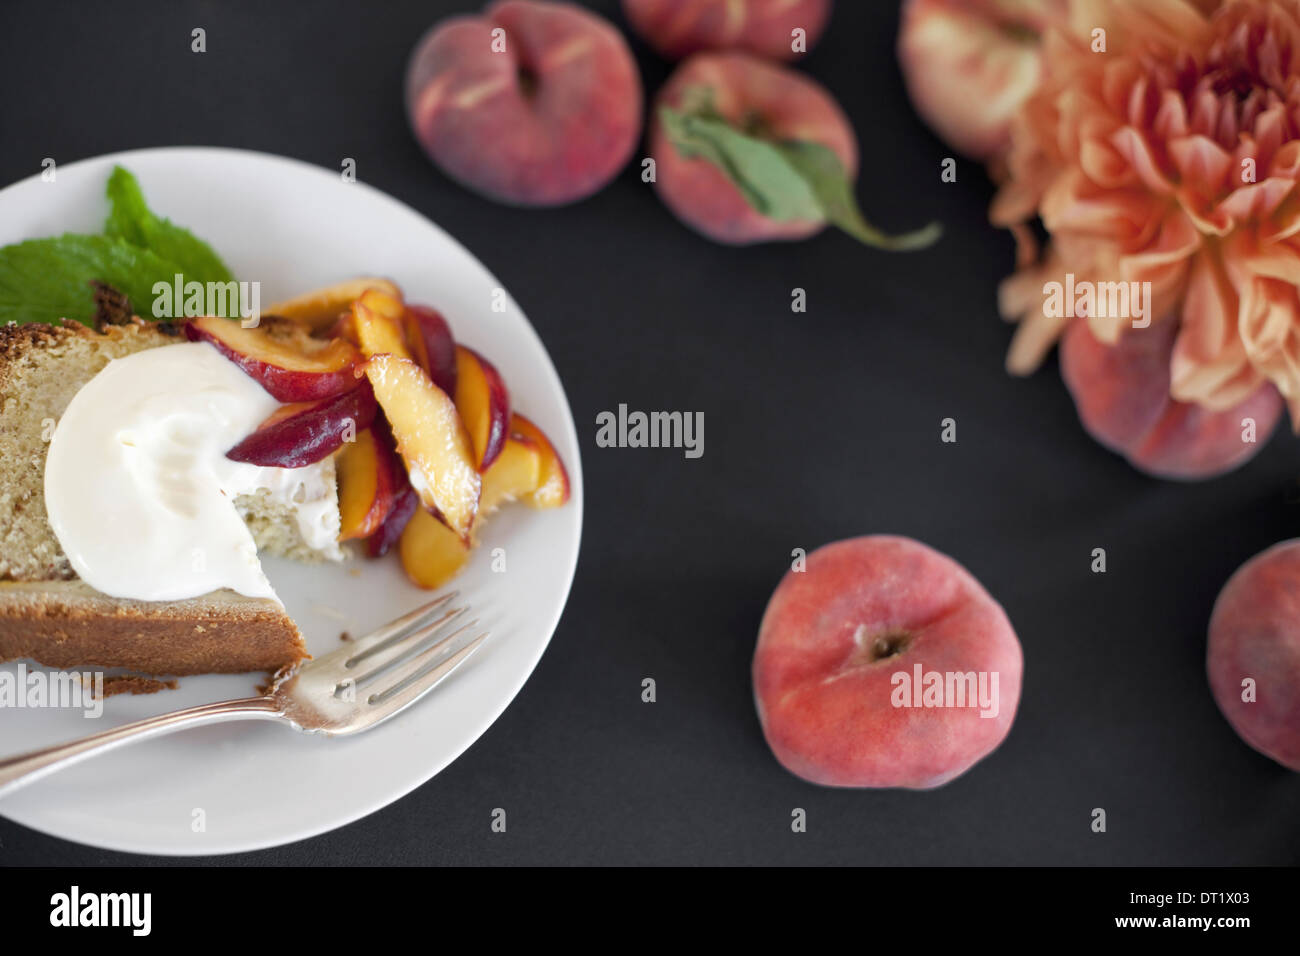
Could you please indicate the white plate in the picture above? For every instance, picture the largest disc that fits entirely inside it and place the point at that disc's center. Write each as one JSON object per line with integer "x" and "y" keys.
{"x": 293, "y": 227}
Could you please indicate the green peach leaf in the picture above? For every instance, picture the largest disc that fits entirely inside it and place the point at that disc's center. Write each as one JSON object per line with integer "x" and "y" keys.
{"x": 824, "y": 174}
{"x": 758, "y": 169}
{"x": 786, "y": 180}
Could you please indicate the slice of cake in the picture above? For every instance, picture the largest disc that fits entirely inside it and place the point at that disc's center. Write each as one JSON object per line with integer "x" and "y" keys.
{"x": 51, "y": 614}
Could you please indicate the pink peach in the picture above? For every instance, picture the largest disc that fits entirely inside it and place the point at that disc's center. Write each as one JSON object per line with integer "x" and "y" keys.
{"x": 677, "y": 28}
{"x": 970, "y": 65}
{"x": 839, "y": 650}
{"x": 531, "y": 103}
{"x": 1253, "y": 660}
{"x": 757, "y": 97}
{"x": 1121, "y": 392}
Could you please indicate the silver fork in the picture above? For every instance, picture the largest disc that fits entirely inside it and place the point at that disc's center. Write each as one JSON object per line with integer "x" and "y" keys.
{"x": 346, "y": 691}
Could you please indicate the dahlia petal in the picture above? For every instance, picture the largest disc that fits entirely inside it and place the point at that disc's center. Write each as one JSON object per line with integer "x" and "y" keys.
{"x": 1269, "y": 131}
{"x": 1285, "y": 224}
{"x": 1268, "y": 319}
{"x": 1227, "y": 130}
{"x": 1202, "y": 161}
{"x": 1033, "y": 339}
{"x": 1117, "y": 79}
{"x": 1073, "y": 204}
{"x": 1026, "y": 245}
{"x": 1015, "y": 202}
{"x": 1205, "y": 113}
{"x": 1021, "y": 297}
{"x": 1209, "y": 364}
{"x": 1256, "y": 201}
{"x": 1021, "y": 293}
{"x": 1171, "y": 119}
{"x": 1210, "y": 221}
{"x": 1176, "y": 241}
{"x": 1273, "y": 260}
{"x": 1164, "y": 262}
{"x": 1286, "y": 161}
{"x": 1104, "y": 165}
{"x": 1133, "y": 146}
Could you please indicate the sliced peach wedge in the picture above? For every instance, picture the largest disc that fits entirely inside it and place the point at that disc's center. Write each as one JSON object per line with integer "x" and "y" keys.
{"x": 516, "y": 472}
{"x": 368, "y": 486}
{"x": 553, "y": 486}
{"x": 431, "y": 439}
{"x": 317, "y": 310}
{"x": 283, "y": 367}
{"x": 378, "y": 320}
{"x": 432, "y": 554}
{"x": 390, "y": 532}
{"x": 429, "y": 337}
{"x": 302, "y": 433}
{"x": 483, "y": 403}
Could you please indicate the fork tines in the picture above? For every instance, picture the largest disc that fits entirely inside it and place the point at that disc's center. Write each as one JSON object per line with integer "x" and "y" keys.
{"x": 411, "y": 654}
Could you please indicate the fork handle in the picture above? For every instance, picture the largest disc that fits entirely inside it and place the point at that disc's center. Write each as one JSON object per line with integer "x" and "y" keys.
{"x": 22, "y": 769}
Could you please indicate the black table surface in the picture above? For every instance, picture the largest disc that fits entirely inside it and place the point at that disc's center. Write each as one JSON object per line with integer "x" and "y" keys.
{"x": 819, "y": 426}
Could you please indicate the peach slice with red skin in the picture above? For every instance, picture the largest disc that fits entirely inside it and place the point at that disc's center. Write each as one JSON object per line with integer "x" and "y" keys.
{"x": 553, "y": 485}
{"x": 483, "y": 403}
{"x": 286, "y": 371}
{"x": 345, "y": 327}
{"x": 431, "y": 439}
{"x": 368, "y": 475}
{"x": 303, "y": 433}
{"x": 318, "y": 309}
{"x": 431, "y": 340}
{"x": 378, "y": 322}
{"x": 390, "y": 532}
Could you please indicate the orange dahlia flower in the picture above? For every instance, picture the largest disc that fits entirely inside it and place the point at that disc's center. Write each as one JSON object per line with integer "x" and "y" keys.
{"x": 1166, "y": 149}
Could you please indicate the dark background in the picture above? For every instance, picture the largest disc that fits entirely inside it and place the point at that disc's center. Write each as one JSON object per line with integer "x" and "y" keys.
{"x": 819, "y": 426}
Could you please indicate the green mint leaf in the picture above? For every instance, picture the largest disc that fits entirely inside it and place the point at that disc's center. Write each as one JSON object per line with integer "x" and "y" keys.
{"x": 130, "y": 218}
{"x": 47, "y": 280}
{"x": 783, "y": 180}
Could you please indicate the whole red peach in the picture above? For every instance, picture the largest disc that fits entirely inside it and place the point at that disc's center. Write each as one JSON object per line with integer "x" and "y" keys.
{"x": 1121, "y": 392}
{"x": 764, "y": 100}
{"x": 969, "y": 65}
{"x": 766, "y": 28}
{"x": 1253, "y": 659}
{"x": 531, "y": 103}
{"x": 846, "y": 650}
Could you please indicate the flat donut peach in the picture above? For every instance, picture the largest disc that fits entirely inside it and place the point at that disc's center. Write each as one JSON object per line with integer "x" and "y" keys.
{"x": 844, "y": 672}
{"x": 531, "y": 103}
{"x": 1121, "y": 392}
